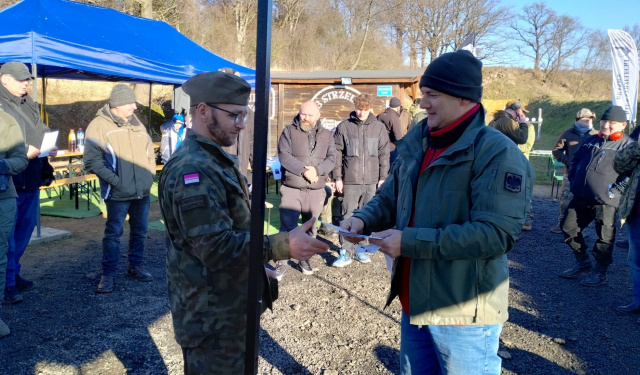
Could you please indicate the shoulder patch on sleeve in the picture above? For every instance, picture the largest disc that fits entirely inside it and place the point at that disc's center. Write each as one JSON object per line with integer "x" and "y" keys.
{"x": 512, "y": 182}
{"x": 191, "y": 178}
{"x": 199, "y": 201}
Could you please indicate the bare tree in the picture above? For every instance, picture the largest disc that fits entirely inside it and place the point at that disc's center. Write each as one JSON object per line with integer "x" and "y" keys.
{"x": 565, "y": 41}
{"x": 535, "y": 30}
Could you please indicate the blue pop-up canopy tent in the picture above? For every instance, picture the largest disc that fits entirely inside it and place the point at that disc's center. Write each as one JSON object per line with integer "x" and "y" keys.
{"x": 65, "y": 39}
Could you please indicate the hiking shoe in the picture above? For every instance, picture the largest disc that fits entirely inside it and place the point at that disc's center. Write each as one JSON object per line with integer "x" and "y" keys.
{"x": 305, "y": 267}
{"x": 527, "y": 227}
{"x": 281, "y": 269}
{"x": 576, "y": 270}
{"x": 139, "y": 273}
{"x": 343, "y": 260}
{"x": 106, "y": 284}
{"x": 595, "y": 278}
{"x": 4, "y": 329}
{"x": 24, "y": 285}
{"x": 622, "y": 243}
{"x": 556, "y": 230}
{"x": 11, "y": 296}
{"x": 362, "y": 258}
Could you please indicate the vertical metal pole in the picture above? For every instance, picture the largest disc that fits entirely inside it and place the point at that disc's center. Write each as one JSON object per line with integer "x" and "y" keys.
{"x": 34, "y": 82}
{"x": 258, "y": 195}
{"x": 150, "y": 110}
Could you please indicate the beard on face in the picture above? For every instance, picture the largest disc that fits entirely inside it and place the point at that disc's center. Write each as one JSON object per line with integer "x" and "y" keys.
{"x": 224, "y": 139}
{"x": 306, "y": 125}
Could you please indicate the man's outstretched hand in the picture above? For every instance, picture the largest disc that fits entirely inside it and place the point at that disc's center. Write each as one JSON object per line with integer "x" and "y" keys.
{"x": 301, "y": 245}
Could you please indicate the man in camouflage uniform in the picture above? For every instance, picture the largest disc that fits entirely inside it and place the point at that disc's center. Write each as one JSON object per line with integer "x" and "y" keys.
{"x": 205, "y": 205}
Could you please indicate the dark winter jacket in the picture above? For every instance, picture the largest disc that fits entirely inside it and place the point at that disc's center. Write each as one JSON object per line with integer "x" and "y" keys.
{"x": 591, "y": 171}
{"x": 25, "y": 111}
{"x": 362, "y": 151}
{"x": 391, "y": 120}
{"x": 298, "y": 148}
{"x": 567, "y": 144}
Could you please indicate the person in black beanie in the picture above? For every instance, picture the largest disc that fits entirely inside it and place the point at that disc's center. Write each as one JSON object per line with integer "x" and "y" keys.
{"x": 596, "y": 189}
{"x": 457, "y": 197}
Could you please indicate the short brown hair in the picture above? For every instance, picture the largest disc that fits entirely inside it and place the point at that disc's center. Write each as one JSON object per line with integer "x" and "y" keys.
{"x": 363, "y": 101}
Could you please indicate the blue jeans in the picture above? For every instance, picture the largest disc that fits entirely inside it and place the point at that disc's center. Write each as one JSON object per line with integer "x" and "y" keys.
{"x": 633, "y": 234}
{"x": 453, "y": 350}
{"x": 138, "y": 210}
{"x": 26, "y": 216}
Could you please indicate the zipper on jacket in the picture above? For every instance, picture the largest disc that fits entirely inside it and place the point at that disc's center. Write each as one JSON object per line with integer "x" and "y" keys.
{"x": 475, "y": 315}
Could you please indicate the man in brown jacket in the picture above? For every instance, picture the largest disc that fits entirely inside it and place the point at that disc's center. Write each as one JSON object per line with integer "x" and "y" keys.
{"x": 307, "y": 155}
{"x": 119, "y": 150}
{"x": 563, "y": 151}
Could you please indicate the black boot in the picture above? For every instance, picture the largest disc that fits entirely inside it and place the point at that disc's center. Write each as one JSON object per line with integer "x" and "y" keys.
{"x": 583, "y": 265}
{"x": 597, "y": 277}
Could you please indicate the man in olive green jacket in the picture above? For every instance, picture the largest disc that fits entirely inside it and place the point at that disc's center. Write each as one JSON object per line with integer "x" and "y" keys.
{"x": 13, "y": 160}
{"x": 120, "y": 152}
{"x": 457, "y": 197}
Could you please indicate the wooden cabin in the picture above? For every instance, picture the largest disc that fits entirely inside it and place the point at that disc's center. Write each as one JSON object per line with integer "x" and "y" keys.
{"x": 334, "y": 92}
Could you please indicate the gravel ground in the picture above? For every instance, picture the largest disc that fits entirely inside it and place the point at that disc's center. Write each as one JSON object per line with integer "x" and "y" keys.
{"x": 330, "y": 323}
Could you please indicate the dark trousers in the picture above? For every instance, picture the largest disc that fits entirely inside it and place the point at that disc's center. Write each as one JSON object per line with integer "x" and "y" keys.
{"x": 580, "y": 213}
{"x": 138, "y": 210}
{"x": 296, "y": 202}
{"x": 355, "y": 197}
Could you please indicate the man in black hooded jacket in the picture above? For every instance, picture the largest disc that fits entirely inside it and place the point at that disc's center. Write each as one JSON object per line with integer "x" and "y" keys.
{"x": 362, "y": 165}
{"x": 596, "y": 189}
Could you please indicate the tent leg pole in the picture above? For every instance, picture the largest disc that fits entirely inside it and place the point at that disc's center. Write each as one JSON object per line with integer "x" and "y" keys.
{"x": 149, "y": 120}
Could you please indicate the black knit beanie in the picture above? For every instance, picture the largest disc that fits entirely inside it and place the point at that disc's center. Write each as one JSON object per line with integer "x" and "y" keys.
{"x": 457, "y": 73}
{"x": 614, "y": 113}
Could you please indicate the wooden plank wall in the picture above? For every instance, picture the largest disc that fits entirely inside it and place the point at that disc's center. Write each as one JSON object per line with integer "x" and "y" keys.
{"x": 335, "y": 101}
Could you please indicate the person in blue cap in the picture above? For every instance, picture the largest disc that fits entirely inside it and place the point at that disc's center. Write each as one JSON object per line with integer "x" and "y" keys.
{"x": 173, "y": 132}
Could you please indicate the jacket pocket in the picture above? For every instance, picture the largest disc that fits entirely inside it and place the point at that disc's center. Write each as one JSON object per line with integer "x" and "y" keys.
{"x": 352, "y": 147}
{"x": 372, "y": 146}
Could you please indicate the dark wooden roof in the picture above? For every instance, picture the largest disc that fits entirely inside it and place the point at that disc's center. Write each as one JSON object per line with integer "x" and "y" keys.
{"x": 357, "y": 76}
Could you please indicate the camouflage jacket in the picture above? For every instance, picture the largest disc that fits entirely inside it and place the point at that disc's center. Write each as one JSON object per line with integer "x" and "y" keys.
{"x": 627, "y": 162}
{"x": 205, "y": 205}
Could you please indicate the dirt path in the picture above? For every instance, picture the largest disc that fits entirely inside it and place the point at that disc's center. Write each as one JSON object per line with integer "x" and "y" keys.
{"x": 330, "y": 323}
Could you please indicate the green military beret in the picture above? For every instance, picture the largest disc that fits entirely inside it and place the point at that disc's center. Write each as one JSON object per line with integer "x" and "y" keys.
{"x": 217, "y": 87}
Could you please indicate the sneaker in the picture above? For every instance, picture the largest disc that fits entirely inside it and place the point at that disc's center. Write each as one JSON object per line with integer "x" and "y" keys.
{"x": 4, "y": 329}
{"x": 576, "y": 270}
{"x": 11, "y": 296}
{"x": 595, "y": 278}
{"x": 362, "y": 258}
{"x": 556, "y": 230}
{"x": 343, "y": 260}
{"x": 305, "y": 266}
{"x": 281, "y": 269}
{"x": 139, "y": 273}
{"x": 106, "y": 284}
{"x": 24, "y": 285}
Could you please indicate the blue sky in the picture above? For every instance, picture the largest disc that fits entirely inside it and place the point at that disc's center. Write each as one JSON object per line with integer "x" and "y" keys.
{"x": 596, "y": 14}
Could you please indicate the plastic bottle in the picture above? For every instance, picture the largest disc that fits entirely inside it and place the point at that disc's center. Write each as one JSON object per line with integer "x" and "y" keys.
{"x": 72, "y": 141}
{"x": 80, "y": 140}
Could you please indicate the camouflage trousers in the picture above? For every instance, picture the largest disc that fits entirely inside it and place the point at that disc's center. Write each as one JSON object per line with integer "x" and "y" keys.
{"x": 566, "y": 196}
{"x": 218, "y": 354}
